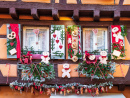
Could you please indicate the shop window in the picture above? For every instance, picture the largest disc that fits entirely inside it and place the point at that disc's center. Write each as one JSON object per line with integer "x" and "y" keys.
{"x": 36, "y": 38}
{"x": 94, "y": 39}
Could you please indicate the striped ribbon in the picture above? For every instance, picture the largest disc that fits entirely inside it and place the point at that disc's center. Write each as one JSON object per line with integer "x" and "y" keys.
{"x": 79, "y": 40}
{"x": 8, "y": 71}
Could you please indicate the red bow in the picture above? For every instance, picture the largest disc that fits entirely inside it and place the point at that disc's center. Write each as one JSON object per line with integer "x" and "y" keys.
{"x": 66, "y": 68}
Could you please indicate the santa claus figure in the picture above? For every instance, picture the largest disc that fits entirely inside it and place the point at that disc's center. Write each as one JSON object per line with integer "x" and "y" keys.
{"x": 90, "y": 58}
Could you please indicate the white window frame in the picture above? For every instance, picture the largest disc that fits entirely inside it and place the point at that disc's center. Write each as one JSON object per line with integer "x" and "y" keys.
{"x": 94, "y": 46}
{"x": 32, "y": 27}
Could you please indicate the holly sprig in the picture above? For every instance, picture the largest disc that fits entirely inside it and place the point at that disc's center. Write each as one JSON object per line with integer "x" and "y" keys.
{"x": 9, "y": 47}
{"x": 62, "y": 36}
{"x": 58, "y": 53}
{"x": 52, "y": 44}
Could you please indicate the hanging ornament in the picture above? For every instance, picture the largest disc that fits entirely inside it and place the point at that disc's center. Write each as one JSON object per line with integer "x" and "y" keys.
{"x": 75, "y": 33}
{"x": 97, "y": 91}
{"x": 53, "y": 89}
{"x": 81, "y": 90}
{"x": 106, "y": 89}
{"x": 12, "y": 35}
{"x": 36, "y": 31}
{"x": 32, "y": 90}
{"x": 64, "y": 92}
{"x": 11, "y": 43}
{"x": 48, "y": 92}
{"x": 74, "y": 58}
{"x": 95, "y": 31}
{"x": 68, "y": 91}
{"x": 57, "y": 41}
{"x": 61, "y": 92}
{"x": 73, "y": 87}
{"x": 13, "y": 51}
{"x": 74, "y": 45}
{"x": 60, "y": 46}
{"x": 54, "y": 35}
{"x": 77, "y": 91}
{"x": 55, "y": 92}
{"x": 102, "y": 88}
{"x": 86, "y": 90}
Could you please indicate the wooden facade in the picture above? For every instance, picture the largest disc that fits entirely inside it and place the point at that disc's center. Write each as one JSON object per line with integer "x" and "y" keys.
{"x": 45, "y": 13}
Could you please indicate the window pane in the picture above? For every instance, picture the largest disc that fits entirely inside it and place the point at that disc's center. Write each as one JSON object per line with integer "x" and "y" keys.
{"x": 94, "y": 41}
{"x": 39, "y": 42}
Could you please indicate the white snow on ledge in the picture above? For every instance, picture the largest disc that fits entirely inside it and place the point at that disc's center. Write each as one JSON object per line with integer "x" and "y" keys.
{"x": 103, "y": 95}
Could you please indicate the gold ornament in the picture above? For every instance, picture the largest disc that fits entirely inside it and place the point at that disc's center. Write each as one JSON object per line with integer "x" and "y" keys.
{"x": 74, "y": 58}
{"x": 81, "y": 90}
{"x": 64, "y": 92}
{"x": 61, "y": 92}
{"x": 19, "y": 88}
{"x": 86, "y": 90}
{"x": 32, "y": 90}
{"x": 74, "y": 45}
{"x": 73, "y": 87}
{"x": 97, "y": 91}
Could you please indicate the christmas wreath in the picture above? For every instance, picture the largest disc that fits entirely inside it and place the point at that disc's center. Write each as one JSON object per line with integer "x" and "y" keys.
{"x": 38, "y": 72}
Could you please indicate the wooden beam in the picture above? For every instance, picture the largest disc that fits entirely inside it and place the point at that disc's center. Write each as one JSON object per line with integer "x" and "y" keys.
{"x": 96, "y": 15}
{"x": 63, "y": 1}
{"x": 116, "y": 15}
{"x": 121, "y": 87}
{"x": 76, "y": 15}
{"x": 55, "y": 14}
{"x": 13, "y": 13}
{"x": 121, "y": 2}
{"x": 34, "y": 14}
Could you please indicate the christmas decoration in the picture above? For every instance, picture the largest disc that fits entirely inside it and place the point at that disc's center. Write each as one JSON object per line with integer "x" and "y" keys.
{"x": 95, "y": 69}
{"x": 26, "y": 59}
{"x": 74, "y": 45}
{"x": 45, "y": 58}
{"x": 13, "y": 51}
{"x": 66, "y": 71}
{"x": 11, "y": 36}
{"x": 38, "y": 72}
{"x": 57, "y": 42}
{"x": 90, "y": 58}
{"x": 13, "y": 41}
{"x": 93, "y": 89}
{"x": 103, "y": 57}
{"x": 118, "y": 32}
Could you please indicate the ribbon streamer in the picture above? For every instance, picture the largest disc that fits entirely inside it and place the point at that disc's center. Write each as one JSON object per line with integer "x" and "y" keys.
{"x": 15, "y": 28}
{"x": 8, "y": 71}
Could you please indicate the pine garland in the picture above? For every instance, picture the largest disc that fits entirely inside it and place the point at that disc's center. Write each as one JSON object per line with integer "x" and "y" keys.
{"x": 39, "y": 74}
{"x": 89, "y": 69}
{"x": 69, "y": 85}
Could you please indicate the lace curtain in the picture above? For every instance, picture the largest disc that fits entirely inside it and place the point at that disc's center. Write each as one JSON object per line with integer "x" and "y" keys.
{"x": 94, "y": 41}
{"x": 38, "y": 42}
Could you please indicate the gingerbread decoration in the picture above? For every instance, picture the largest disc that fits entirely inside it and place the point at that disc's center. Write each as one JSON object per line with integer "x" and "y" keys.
{"x": 45, "y": 58}
{"x": 103, "y": 57}
{"x": 66, "y": 71}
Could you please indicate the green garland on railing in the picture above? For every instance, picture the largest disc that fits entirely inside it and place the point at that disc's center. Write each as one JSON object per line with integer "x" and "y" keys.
{"x": 38, "y": 72}
{"x": 89, "y": 69}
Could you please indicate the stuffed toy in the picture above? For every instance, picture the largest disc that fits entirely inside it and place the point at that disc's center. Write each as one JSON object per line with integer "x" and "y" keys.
{"x": 103, "y": 57}
{"x": 66, "y": 71}
{"x": 45, "y": 58}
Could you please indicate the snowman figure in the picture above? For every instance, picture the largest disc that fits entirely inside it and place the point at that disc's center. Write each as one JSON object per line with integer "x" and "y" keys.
{"x": 66, "y": 71}
{"x": 103, "y": 57}
{"x": 45, "y": 58}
